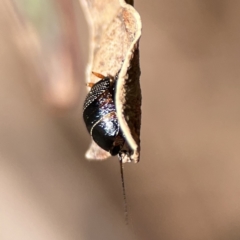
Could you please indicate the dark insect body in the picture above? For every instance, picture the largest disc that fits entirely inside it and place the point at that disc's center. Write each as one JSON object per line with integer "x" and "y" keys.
{"x": 100, "y": 117}
{"x": 99, "y": 114}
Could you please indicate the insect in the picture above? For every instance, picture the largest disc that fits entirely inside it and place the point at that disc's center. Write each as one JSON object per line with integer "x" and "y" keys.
{"x": 99, "y": 114}
{"x": 100, "y": 117}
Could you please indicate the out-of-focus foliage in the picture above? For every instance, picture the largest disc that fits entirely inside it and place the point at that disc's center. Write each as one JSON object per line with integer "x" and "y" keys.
{"x": 42, "y": 14}
{"x": 52, "y": 46}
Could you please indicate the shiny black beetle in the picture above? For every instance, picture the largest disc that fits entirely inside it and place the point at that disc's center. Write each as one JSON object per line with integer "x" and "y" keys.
{"x": 99, "y": 114}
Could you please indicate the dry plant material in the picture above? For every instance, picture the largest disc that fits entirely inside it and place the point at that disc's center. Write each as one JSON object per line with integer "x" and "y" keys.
{"x": 115, "y": 28}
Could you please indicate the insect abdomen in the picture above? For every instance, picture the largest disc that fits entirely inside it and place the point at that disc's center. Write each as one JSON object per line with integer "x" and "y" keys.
{"x": 104, "y": 132}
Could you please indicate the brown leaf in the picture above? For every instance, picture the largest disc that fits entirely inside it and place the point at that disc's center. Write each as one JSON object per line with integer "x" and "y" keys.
{"x": 115, "y": 33}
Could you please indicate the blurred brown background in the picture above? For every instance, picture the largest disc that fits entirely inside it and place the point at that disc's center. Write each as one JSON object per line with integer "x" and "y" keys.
{"x": 187, "y": 184}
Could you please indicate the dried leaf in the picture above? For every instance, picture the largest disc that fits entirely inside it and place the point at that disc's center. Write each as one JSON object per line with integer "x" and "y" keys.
{"x": 116, "y": 30}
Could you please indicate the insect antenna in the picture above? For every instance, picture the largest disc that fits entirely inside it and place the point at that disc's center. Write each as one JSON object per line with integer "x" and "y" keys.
{"x": 124, "y": 192}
